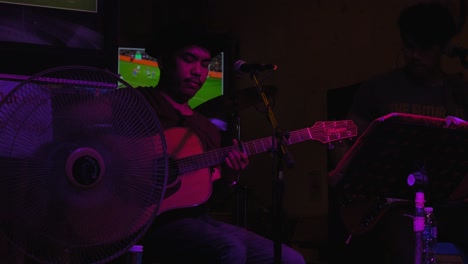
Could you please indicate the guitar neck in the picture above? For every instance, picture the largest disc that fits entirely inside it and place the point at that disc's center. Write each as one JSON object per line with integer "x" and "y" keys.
{"x": 266, "y": 144}
{"x": 216, "y": 157}
{"x": 325, "y": 131}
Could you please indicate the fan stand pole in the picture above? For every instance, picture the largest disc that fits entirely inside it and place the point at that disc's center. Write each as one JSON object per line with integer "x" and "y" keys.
{"x": 279, "y": 152}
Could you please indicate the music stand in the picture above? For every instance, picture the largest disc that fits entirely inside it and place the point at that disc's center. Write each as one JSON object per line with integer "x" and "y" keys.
{"x": 397, "y": 145}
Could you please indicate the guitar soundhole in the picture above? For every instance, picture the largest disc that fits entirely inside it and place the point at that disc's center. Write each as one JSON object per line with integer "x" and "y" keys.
{"x": 173, "y": 180}
{"x": 173, "y": 176}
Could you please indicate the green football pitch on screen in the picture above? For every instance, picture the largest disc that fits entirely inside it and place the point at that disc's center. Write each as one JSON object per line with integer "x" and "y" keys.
{"x": 144, "y": 75}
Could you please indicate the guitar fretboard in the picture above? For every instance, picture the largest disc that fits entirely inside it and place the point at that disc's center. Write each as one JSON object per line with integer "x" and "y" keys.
{"x": 325, "y": 131}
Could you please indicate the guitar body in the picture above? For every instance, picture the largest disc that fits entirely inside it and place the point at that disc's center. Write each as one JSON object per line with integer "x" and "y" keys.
{"x": 361, "y": 216}
{"x": 191, "y": 188}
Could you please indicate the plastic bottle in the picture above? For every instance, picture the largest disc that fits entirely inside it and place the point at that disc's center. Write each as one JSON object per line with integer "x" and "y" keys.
{"x": 135, "y": 255}
{"x": 429, "y": 237}
{"x": 418, "y": 227}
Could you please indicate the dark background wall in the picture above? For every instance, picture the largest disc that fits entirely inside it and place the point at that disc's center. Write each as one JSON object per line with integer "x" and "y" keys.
{"x": 319, "y": 46}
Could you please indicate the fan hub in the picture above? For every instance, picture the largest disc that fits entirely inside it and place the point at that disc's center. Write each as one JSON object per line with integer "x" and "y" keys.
{"x": 84, "y": 167}
{"x": 86, "y": 170}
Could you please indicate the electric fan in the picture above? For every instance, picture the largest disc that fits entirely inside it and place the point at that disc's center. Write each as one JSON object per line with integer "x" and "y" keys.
{"x": 83, "y": 166}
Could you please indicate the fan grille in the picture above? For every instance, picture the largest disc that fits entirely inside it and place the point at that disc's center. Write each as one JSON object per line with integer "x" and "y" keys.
{"x": 85, "y": 162}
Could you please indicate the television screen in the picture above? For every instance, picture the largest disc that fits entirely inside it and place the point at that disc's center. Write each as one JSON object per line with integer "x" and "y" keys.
{"x": 139, "y": 69}
{"x": 39, "y": 35}
{"x": 51, "y": 25}
{"x": 82, "y": 5}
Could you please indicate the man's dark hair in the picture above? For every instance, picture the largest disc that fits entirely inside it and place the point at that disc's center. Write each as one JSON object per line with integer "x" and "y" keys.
{"x": 426, "y": 25}
{"x": 172, "y": 37}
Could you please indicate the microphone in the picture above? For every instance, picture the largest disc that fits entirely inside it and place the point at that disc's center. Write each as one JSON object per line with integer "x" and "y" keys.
{"x": 241, "y": 66}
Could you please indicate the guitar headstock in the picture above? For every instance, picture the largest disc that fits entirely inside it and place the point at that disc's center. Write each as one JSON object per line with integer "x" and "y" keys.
{"x": 329, "y": 131}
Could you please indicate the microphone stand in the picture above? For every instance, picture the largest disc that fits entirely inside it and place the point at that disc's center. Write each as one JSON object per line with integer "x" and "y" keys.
{"x": 240, "y": 191}
{"x": 279, "y": 151}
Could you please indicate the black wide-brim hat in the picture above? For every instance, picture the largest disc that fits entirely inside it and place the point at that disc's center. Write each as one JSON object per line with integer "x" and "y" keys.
{"x": 173, "y": 37}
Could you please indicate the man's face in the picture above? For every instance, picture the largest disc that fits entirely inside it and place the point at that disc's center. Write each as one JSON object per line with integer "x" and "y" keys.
{"x": 189, "y": 71}
{"x": 422, "y": 62}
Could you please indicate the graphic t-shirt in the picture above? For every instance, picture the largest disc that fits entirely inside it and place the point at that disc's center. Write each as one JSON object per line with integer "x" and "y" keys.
{"x": 395, "y": 92}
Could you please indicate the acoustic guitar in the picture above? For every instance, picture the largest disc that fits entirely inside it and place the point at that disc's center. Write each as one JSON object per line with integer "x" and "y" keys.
{"x": 189, "y": 182}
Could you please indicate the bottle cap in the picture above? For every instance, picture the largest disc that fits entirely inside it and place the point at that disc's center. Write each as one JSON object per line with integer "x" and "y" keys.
{"x": 136, "y": 248}
{"x": 419, "y": 199}
{"x": 428, "y": 209}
